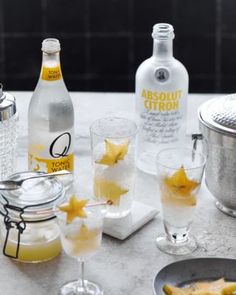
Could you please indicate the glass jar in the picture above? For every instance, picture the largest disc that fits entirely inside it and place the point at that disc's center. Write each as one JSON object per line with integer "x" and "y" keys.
{"x": 29, "y": 231}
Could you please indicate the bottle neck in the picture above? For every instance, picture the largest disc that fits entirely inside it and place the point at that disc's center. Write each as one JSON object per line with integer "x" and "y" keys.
{"x": 163, "y": 49}
{"x": 51, "y": 67}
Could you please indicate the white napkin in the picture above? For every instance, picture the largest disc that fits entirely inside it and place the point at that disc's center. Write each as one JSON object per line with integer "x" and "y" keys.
{"x": 121, "y": 228}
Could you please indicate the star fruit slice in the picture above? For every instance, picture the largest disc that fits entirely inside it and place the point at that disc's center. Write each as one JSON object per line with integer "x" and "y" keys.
{"x": 108, "y": 190}
{"x": 75, "y": 208}
{"x": 84, "y": 241}
{"x": 180, "y": 184}
{"x": 114, "y": 153}
{"x": 177, "y": 189}
{"x": 172, "y": 290}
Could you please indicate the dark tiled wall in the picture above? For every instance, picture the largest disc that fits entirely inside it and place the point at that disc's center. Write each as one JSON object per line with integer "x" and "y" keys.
{"x": 104, "y": 41}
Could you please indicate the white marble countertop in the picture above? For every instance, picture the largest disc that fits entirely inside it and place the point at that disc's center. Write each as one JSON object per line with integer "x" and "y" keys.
{"x": 121, "y": 267}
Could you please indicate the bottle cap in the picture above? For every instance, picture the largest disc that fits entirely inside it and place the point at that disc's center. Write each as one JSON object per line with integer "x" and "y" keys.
{"x": 163, "y": 31}
{"x": 51, "y": 45}
{"x": 7, "y": 105}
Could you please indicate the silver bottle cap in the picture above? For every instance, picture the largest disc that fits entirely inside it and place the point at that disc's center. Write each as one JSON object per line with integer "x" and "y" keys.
{"x": 7, "y": 105}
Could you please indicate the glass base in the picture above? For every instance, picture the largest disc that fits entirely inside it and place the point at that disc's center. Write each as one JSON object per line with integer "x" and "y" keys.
{"x": 73, "y": 288}
{"x": 168, "y": 247}
{"x": 225, "y": 210}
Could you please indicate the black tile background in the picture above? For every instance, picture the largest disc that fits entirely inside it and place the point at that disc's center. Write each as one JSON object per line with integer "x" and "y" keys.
{"x": 103, "y": 42}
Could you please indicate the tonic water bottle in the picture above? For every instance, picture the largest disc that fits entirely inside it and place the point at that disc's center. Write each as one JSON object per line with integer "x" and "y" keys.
{"x": 161, "y": 99}
{"x": 51, "y": 117}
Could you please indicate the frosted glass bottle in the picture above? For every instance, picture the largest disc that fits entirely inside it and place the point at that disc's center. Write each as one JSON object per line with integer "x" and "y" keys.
{"x": 161, "y": 99}
{"x": 51, "y": 117}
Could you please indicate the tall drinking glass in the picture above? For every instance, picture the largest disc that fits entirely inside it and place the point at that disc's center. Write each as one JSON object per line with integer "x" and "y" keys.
{"x": 113, "y": 157}
{"x": 81, "y": 238}
{"x": 179, "y": 172}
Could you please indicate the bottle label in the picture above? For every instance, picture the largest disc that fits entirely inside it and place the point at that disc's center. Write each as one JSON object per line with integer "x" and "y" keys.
{"x": 161, "y": 101}
{"x": 161, "y": 115}
{"x": 51, "y": 152}
{"x": 51, "y": 74}
{"x": 162, "y": 74}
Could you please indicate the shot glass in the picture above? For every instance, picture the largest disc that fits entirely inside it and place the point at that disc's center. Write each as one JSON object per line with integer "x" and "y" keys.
{"x": 113, "y": 158}
{"x": 179, "y": 172}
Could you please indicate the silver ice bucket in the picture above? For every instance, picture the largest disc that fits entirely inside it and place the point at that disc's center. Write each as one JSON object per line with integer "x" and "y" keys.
{"x": 218, "y": 125}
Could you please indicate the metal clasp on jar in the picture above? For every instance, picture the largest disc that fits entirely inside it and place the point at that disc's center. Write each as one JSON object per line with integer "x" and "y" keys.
{"x": 18, "y": 224}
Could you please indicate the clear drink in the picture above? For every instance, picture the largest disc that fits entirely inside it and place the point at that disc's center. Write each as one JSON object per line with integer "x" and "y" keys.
{"x": 81, "y": 237}
{"x": 51, "y": 117}
{"x": 179, "y": 173}
{"x": 113, "y": 157}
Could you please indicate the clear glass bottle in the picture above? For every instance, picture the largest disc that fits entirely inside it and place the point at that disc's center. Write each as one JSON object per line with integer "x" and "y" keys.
{"x": 51, "y": 117}
{"x": 161, "y": 99}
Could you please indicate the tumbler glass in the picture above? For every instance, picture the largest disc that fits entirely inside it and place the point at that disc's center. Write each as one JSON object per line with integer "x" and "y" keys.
{"x": 113, "y": 157}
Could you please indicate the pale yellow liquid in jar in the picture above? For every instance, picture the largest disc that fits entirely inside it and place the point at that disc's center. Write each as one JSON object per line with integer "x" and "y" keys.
{"x": 38, "y": 242}
{"x": 35, "y": 252}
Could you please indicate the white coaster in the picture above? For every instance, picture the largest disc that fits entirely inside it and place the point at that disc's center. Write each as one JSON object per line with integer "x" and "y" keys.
{"x": 121, "y": 228}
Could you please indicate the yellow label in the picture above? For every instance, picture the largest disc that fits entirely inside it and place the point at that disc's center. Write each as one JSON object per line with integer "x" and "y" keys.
{"x": 51, "y": 74}
{"x": 52, "y": 165}
{"x": 161, "y": 101}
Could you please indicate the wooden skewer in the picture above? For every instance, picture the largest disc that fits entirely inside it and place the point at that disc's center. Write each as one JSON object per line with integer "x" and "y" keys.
{"x": 109, "y": 202}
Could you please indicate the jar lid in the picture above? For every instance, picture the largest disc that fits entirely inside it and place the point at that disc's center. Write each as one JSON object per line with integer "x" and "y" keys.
{"x": 219, "y": 114}
{"x": 7, "y": 105}
{"x": 37, "y": 197}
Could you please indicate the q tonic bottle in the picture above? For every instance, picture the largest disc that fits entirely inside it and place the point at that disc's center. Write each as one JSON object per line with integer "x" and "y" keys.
{"x": 51, "y": 117}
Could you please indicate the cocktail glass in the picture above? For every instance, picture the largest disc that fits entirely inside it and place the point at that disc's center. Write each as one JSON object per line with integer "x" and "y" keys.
{"x": 113, "y": 157}
{"x": 81, "y": 239}
{"x": 179, "y": 172}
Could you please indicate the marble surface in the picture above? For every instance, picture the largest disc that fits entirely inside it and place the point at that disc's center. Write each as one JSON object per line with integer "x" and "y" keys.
{"x": 122, "y": 228}
{"x": 122, "y": 267}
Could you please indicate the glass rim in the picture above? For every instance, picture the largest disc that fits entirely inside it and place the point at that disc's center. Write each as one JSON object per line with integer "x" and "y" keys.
{"x": 135, "y": 127}
{"x": 180, "y": 149}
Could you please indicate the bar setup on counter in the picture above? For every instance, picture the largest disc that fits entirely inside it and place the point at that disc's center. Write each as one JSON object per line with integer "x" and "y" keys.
{"x": 92, "y": 163}
{"x": 121, "y": 267}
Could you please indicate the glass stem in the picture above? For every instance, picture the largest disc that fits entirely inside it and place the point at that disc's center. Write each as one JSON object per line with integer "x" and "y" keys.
{"x": 81, "y": 289}
{"x": 82, "y": 275}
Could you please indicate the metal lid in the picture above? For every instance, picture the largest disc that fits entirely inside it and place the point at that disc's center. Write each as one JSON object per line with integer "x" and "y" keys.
{"x": 37, "y": 197}
{"x": 219, "y": 114}
{"x": 7, "y": 105}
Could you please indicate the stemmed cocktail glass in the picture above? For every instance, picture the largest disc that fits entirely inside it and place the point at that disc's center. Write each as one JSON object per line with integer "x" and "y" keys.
{"x": 80, "y": 225}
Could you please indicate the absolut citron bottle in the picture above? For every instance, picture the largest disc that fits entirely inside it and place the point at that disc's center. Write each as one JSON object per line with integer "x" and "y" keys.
{"x": 161, "y": 99}
{"x": 51, "y": 117}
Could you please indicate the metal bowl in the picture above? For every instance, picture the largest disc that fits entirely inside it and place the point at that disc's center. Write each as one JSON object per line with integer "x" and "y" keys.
{"x": 218, "y": 125}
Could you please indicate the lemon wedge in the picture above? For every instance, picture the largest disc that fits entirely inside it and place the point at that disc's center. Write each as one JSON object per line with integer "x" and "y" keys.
{"x": 75, "y": 208}
{"x": 114, "y": 153}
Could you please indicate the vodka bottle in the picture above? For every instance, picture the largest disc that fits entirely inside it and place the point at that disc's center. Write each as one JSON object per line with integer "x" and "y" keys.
{"x": 51, "y": 117}
{"x": 161, "y": 99}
